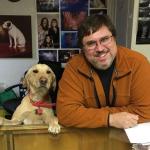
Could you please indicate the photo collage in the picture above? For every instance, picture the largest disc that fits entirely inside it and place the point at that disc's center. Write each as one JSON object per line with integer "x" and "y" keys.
{"x": 57, "y": 25}
{"x": 143, "y": 32}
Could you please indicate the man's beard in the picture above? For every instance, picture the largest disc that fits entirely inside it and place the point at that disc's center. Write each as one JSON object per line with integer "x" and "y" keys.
{"x": 97, "y": 64}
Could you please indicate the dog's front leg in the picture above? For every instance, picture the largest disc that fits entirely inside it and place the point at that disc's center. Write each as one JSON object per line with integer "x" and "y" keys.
{"x": 54, "y": 127}
{"x": 15, "y": 42}
{"x": 10, "y": 41}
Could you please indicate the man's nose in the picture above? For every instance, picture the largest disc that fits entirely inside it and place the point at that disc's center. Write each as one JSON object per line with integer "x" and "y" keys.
{"x": 99, "y": 46}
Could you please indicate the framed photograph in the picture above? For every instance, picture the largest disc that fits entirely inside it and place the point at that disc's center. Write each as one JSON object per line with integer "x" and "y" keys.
{"x": 48, "y": 55}
{"x": 68, "y": 39}
{"x": 143, "y": 31}
{"x": 65, "y": 55}
{"x": 73, "y": 13}
{"x": 74, "y": 5}
{"x": 71, "y": 20}
{"x": 47, "y": 5}
{"x": 15, "y": 36}
{"x": 48, "y": 31}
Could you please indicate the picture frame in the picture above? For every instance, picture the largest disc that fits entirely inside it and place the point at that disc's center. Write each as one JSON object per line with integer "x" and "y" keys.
{"x": 143, "y": 28}
{"x": 47, "y": 5}
{"x": 15, "y": 36}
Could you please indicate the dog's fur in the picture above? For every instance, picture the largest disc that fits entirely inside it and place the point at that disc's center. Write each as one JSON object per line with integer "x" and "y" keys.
{"x": 16, "y": 37}
{"x": 39, "y": 79}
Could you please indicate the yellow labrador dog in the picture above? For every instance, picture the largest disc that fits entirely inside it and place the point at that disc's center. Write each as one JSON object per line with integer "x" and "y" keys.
{"x": 36, "y": 106}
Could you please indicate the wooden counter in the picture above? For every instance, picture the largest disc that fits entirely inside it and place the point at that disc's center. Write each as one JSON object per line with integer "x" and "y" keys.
{"x": 26, "y": 137}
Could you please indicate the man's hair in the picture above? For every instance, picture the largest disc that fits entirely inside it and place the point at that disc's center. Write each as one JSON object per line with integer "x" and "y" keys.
{"x": 92, "y": 24}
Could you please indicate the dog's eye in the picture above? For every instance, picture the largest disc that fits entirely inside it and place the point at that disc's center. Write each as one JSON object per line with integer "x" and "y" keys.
{"x": 35, "y": 71}
{"x": 48, "y": 72}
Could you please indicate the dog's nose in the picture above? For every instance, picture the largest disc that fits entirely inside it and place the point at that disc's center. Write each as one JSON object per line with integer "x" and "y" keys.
{"x": 43, "y": 81}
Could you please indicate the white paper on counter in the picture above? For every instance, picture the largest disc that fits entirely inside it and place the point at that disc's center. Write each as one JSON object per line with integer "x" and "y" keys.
{"x": 139, "y": 134}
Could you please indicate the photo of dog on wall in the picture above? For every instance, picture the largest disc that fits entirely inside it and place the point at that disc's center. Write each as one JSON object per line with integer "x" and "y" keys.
{"x": 15, "y": 37}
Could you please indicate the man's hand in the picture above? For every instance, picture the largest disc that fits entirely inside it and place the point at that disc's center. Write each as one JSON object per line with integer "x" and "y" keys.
{"x": 123, "y": 120}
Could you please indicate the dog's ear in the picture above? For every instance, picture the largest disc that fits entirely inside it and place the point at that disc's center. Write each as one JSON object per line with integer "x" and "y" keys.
{"x": 24, "y": 80}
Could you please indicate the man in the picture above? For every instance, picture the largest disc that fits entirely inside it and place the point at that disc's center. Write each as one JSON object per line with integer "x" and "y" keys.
{"x": 105, "y": 85}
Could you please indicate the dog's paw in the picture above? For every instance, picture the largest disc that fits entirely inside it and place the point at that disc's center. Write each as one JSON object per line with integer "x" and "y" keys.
{"x": 54, "y": 128}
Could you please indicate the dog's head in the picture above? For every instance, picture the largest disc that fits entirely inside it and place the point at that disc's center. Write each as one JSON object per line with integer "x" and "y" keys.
{"x": 40, "y": 77}
{"x": 7, "y": 25}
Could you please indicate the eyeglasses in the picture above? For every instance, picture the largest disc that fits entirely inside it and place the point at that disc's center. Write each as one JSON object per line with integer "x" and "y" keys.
{"x": 103, "y": 41}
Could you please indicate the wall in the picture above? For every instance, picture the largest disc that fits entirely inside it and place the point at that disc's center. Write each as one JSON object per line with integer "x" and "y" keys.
{"x": 142, "y": 48}
{"x": 12, "y": 69}
{"x": 123, "y": 21}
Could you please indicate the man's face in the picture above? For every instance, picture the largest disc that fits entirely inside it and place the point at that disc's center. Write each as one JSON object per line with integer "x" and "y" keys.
{"x": 100, "y": 48}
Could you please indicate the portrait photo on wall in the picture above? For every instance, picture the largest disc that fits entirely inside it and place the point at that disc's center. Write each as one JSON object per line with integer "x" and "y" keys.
{"x": 68, "y": 39}
{"x": 65, "y": 55}
{"x": 15, "y": 36}
{"x": 48, "y": 55}
{"x": 71, "y": 20}
{"x": 143, "y": 32}
{"x": 73, "y": 13}
{"x": 47, "y": 5}
{"x": 48, "y": 31}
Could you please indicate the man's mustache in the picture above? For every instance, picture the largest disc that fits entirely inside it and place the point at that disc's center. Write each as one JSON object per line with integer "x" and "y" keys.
{"x": 99, "y": 53}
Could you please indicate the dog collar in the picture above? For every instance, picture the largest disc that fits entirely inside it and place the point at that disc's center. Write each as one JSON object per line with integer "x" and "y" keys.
{"x": 43, "y": 104}
{"x": 40, "y": 104}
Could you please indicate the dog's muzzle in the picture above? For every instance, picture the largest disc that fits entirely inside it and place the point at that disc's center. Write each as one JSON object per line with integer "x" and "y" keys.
{"x": 43, "y": 81}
